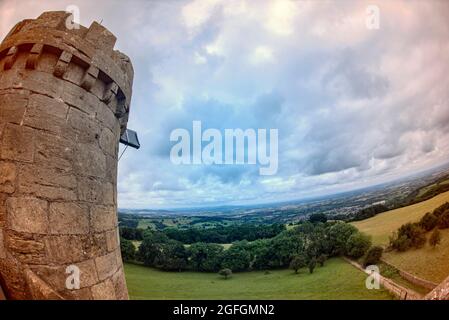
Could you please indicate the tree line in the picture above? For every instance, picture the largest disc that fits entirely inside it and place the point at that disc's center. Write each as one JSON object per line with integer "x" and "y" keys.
{"x": 219, "y": 234}
{"x": 307, "y": 244}
{"x": 413, "y": 235}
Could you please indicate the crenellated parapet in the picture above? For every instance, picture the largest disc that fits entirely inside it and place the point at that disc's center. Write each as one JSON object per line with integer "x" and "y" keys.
{"x": 83, "y": 56}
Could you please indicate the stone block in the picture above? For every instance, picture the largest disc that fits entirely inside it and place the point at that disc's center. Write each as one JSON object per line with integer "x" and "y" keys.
{"x": 46, "y": 113}
{"x": 89, "y": 161}
{"x": 68, "y": 218}
{"x": 7, "y": 177}
{"x": 109, "y": 142}
{"x": 27, "y": 215}
{"x": 72, "y": 251}
{"x": 18, "y": 143}
{"x": 84, "y": 128}
{"x": 40, "y": 82}
{"x": 106, "y": 265}
{"x": 47, "y": 62}
{"x": 3, "y": 198}
{"x": 12, "y": 107}
{"x": 119, "y": 281}
{"x": 53, "y": 184}
{"x": 25, "y": 249}
{"x": 2, "y": 245}
{"x": 95, "y": 191}
{"x": 80, "y": 99}
{"x": 94, "y": 245}
{"x": 112, "y": 239}
{"x": 104, "y": 291}
{"x": 54, "y": 152}
{"x": 103, "y": 218}
{"x": 107, "y": 118}
{"x": 56, "y": 276}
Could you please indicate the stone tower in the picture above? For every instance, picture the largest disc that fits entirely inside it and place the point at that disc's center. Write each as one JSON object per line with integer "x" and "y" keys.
{"x": 64, "y": 101}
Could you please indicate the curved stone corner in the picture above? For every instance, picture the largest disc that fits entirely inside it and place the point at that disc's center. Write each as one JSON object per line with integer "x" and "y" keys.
{"x": 64, "y": 101}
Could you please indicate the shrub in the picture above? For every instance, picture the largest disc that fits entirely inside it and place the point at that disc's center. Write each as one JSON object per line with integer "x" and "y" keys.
{"x": 357, "y": 244}
{"x": 312, "y": 265}
{"x": 321, "y": 259}
{"x": 372, "y": 256}
{"x": 128, "y": 249}
{"x": 297, "y": 263}
{"x": 225, "y": 273}
{"x": 428, "y": 221}
{"x": 435, "y": 238}
{"x": 317, "y": 217}
{"x": 443, "y": 223}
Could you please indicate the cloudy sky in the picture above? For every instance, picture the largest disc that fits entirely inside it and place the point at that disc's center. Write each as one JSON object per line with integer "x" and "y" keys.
{"x": 354, "y": 106}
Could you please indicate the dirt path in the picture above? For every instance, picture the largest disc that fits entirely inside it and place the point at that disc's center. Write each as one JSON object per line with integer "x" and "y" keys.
{"x": 397, "y": 290}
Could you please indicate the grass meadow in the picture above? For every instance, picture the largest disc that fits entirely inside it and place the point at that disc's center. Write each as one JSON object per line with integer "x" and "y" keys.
{"x": 336, "y": 280}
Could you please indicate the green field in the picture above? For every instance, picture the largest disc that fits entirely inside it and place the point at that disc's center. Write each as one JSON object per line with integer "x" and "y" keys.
{"x": 336, "y": 280}
{"x": 381, "y": 226}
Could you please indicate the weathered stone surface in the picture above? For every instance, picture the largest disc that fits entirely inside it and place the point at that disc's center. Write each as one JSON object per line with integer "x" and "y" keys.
{"x": 109, "y": 142}
{"x": 93, "y": 190}
{"x": 54, "y": 152}
{"x": 38, "y": 288}
{"x": 90, "y": 162}
{"x": 59, "y": 131}
{"x": 53, "y": 184}
{"x": 13, "y": 107}
{"x": 17, "y": 143}
{"x": 46, "y": 113}
{"x": 83, "y": 127}
{"x": 103, "y": 218}
{"x": 64, "y": 249}
{"x": 2, "y": 245}
{"x": 78, "y": 98}
{"x": 95, "y": 245}
{"x": 26, "y": 249}
{"x": 119, "y": 281}
{"x": 68, "y": 218}
{"x": 7, "y": 177}
{"x": 27, "y": 215}
{"x": 106, "y": 265}
{"x": 104, "y": 291}
{"x": 112, "y": 240}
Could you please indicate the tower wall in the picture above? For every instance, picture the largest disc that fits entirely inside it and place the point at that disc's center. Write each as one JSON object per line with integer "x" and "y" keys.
{"x": 64, "y": 101}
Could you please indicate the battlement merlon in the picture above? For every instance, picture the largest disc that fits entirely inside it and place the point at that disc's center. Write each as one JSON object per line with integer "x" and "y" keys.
{"x": 91, "y": 48}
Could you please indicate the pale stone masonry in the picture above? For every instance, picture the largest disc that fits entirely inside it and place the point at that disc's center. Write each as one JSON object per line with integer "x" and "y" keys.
{"x": 64, "y": 102}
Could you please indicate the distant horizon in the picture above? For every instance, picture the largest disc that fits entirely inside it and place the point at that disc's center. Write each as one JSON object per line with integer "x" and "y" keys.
{"x": 444, "y": 165}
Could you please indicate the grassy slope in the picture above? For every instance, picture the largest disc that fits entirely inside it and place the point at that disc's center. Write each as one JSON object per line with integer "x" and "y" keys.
{"x": 427, "y": 263}
{"x": 381, "y": 226}
{"x": 336, "y": 280}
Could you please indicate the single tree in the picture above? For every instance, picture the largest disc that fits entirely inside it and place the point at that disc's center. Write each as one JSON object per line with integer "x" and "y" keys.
{"x": 312, "y": 265}
{"x": 435, "y": 238}
{"x": 225, "y": 273}
{"x": 321, "y": 259}
{"x": 372, "y": 256}
{"x": 297, "y": 263}
{"x": 128, "y": 249}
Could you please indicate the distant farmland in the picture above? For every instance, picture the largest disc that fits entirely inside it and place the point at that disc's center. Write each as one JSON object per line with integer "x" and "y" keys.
{"x": 381, "y": 226}
{"x": 427, "y": 263}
